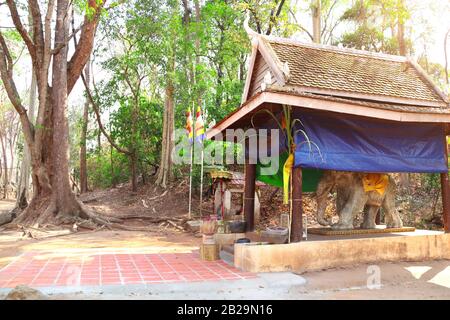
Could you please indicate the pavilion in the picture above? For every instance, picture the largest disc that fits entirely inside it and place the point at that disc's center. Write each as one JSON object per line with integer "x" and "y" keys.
{"x": 365, "y": 111}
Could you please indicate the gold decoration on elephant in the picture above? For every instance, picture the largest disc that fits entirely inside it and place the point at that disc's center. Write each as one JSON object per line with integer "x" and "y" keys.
{"x": 375, "y": 182}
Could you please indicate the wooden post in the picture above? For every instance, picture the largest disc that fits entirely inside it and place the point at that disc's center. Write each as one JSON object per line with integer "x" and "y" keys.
{"x": 297, "y": 209}
{"x": 445, "y": 187}
{"x": 249, "y": 196}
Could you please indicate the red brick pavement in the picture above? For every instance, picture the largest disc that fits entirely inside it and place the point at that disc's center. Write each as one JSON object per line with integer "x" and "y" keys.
{"x": 37, "y": 269}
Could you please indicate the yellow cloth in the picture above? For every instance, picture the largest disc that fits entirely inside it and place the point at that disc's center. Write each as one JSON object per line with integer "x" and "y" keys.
{"x": 287, "y": 168}
{"x": 375, "y": 182}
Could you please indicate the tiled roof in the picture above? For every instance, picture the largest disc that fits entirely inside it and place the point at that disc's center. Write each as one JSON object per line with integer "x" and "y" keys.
{"x": 352, "y": 71}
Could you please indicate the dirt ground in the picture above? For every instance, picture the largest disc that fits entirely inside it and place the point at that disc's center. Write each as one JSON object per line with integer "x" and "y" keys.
{"x": 401, "y": 280}
{"x": 6, "y": 205}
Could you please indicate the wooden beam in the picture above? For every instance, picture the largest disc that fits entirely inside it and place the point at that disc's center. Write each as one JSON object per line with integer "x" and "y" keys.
{"x": 297, "y": 208}
{"x": 249, "y": 196}
{"x": 354, "y": 109}
{"x": 251, "y": 66}
{"x": 445, "y": 187}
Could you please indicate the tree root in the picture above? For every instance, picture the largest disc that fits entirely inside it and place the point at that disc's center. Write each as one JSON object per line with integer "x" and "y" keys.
{"x": 90, "y": 214}
{"x": 129, "y": 228}
{"x": 148, "y": 218}
{"x": 44, "y": 212}
{"x": 158, "y": 196}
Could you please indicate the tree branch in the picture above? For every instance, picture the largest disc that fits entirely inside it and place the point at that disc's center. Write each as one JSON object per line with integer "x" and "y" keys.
{"x": 6, "y": 74}
{"x": 99, "y": 120}
{"x": 6, "y": 69}
{"x": 299, "y": 25}
{"x": 94, "y": 104}
{"x": 84, "y": 48}
{"x": 325, "y": 24}
{"x": 62, "y": 45}
{"x": 255, "y": 17}
{"x": 38, "y": 32}
{"x": 273, "y": 17}
{"x": 20, "y": 28}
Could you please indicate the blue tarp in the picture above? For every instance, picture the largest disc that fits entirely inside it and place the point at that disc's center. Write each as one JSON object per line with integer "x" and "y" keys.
{"x": 352, "y": 143}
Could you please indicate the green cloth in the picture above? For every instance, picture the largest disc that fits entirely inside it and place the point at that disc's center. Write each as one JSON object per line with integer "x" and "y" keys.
{"x": 310, "y": 177}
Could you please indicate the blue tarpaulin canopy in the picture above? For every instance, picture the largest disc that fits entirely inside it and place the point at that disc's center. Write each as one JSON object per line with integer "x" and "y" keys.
{"x": 351, "y": 143}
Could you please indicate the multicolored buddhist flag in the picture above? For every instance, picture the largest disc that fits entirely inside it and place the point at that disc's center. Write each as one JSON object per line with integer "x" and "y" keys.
{"x": 199, "y": 126}
{"x": 189, "y": 123}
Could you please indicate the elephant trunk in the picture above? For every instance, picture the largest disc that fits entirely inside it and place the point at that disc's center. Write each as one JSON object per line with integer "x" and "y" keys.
{"x": 323, "y": 188}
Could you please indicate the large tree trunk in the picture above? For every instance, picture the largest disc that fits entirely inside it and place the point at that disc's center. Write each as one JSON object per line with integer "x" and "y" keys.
{"x": 165, "y": 167}
{"x": 48, "y": 140}
{"x": 62, "y": 194}
{"x": 52, "y": 196}
{"x": 83, "y": 165}
{"x": 164, "y": 171}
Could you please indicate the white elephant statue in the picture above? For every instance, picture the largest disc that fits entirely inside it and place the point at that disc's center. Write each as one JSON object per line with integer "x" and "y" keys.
{"x": 352, "y": 198}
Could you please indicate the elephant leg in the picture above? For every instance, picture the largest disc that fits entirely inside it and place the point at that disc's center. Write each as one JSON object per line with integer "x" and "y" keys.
{"x": 370, "y": 213}
{"x": 354, "y": 205}
{"x": 342, "y": 196}
{"x": 392, "y": 217}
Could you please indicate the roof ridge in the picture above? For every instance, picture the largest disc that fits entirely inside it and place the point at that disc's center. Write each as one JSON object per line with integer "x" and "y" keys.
{"x": 428, "y": 81}
{"x": 323, "y": 47}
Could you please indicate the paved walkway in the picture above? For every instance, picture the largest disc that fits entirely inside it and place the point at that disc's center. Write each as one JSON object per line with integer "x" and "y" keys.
{"x": 87, "y": 268}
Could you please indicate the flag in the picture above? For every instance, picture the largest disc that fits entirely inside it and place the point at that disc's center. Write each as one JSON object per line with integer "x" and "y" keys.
{"x": 199, "y": 126}
{"x": 189, "y": 124}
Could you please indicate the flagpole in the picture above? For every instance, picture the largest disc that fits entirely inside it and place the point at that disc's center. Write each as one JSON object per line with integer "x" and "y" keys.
{"x": 190, "y": 181}
{"x": 199, "y": 137}
{"x": 190, "y": 169}
{"x": 201, "y": 180}
{"x": 201, "y": 166}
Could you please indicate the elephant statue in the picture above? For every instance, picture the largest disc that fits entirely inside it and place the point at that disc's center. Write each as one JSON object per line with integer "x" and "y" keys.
{"x": 352, "y": 199}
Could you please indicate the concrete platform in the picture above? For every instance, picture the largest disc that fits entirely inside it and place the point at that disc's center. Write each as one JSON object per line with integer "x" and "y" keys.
{"x": 322, "y": 252}
{"x": 227, "y": 238}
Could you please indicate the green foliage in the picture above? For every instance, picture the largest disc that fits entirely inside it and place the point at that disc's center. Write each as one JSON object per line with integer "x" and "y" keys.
{"x": 371, "y": 39}
{"x": 431, "y": 181}
{"x": 147, "y": 141}
{"x": 435, "y": 70}
{"x": 148, "y": 44}
{"x": 106, "y": 169}
{"x": 375, "y": 26}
